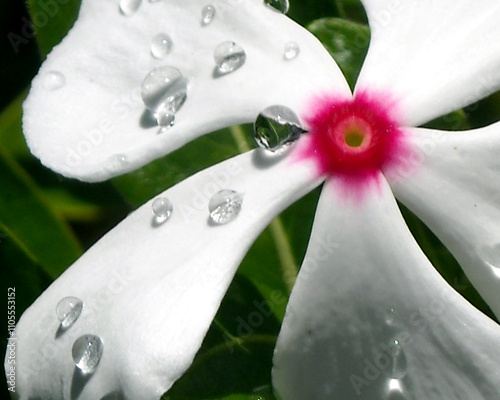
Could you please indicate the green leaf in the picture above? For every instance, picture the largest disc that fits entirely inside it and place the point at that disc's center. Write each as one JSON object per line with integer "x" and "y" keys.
{"x": 346, "y": 41}
{"x": 51, "y": 20}
{"x": 31, "y": 223}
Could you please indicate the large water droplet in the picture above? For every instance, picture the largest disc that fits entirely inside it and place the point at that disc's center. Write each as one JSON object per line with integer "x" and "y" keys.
{"x": 207, "y": 14}
{"x": 87, "y": 352}
{"x": 164, "y": 91}
{"x": 53, "y": 80}
{"x": 129, "y": 7}
{"x": 161, "y": 45}
{"x": 280, "y": 5}
{"x": 276, "y": 128}
{"x": 162, "y": 209}
{"x": 399, "y": 366}
{"x": 292, "y": 50}
{"x": 68, "y": 310}
{"x": 229, "y": 56}
{"x": 224, "y": 206}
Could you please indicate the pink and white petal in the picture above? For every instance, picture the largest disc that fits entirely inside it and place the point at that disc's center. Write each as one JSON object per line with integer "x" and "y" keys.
{"x": 434, "y": 56}
{"x": 150, "y": 291}
{"x": 370, "y": 317}
{"x": 453, "y": 186}
{"x": 96, "y": 125}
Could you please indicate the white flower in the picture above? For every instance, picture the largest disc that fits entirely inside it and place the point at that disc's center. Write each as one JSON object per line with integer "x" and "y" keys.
{"x": 369, "y": 317}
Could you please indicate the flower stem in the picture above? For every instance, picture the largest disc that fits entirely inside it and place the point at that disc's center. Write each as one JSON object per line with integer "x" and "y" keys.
{"x": 278, "y": 233}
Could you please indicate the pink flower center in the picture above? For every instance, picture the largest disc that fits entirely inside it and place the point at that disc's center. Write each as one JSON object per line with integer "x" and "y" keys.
{"x": 355, "y": 139}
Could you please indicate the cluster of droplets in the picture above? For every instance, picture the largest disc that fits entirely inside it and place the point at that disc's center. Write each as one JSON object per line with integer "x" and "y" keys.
{"x": 223, "y": 207}
{"x": 87, "y": 349}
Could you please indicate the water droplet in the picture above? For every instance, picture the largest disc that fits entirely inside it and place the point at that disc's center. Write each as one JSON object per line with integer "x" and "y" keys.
{"x": 87, "y": 352}
{"x": 390, "y": 316}
{"x": 395, "y": 390}
{"x": 229, "y": 56}
{"x": 276, "y": 128}
{"x": 117, "y": 162}
{"x": 161, "y": 45}
{"x": 129, "y": 7}
{"x": 53, "y": 80}
{"x": 68, "y": 310}
{"x": 280, "y": 5}
{"x": 207, "y": 14}
{"x": 399, "y": 363}
{"x": 224, "y": 206}
{"x": 162, "y": 209}
{"x": 292, "y": 50}
{"x": 491, "y": 255}
{"x": 163, "y": 92}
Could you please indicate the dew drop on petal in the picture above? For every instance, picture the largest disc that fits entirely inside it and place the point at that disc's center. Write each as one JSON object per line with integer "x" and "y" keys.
{"x": 87, "y": 352}
{"x": 229, "y": 56}
{"x": 395, "y": 390}
{"x": 292, "y": 50}
{"x": 280, "y": 5}
{"x": 491, "y": 256}
{"x": 129, "y": 7}
{"x": 399, "y": 366}
{"x": 276, "y": 128}
{"x": 162, "y": 209}
{"x": 164, "y": 91}
{"x": 224, "y": 206}
{"x": 390, "y": 316}
{"x": 68, "y": 310}
{"x": 161, "y": 45}
{"x": 207, "y": 14}
{"x": 53, "y": 80}
{"x": 117, "y": 162}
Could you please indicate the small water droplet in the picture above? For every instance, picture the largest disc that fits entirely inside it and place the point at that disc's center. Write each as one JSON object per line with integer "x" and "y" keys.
{"x": 87, "y": 352}
{"x": 395, "y": 390}
{"x": 207, "y": 14}
{"x": 280, "y": 5}
{"x": 390, "y": 316}
{"x": 399, "y": 366}
{"x": 161, "y": 45}
{"x": 224, "y": 206}
{"x": 292, "y": 50}
{"x": 68, "y": 310}
{"x": 117, "y": 162}
{"x": 129, "y": 7}
{"x": 276, "y": 128}
{"x": 229, "y": 56}
{"x": 162, "y": 209}
{"x": 53, "y": 80}
{"x": 163, "y": 92}
{"x": 491, "y": 255}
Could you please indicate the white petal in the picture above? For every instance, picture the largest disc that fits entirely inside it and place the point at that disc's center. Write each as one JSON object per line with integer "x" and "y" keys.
{"x": 150, "y": 292}
{"x": 433, "y": 56}
{"x": 96, "y": 125}
{"x": 453, "y": 186}
{"x": 365, "y": 284}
